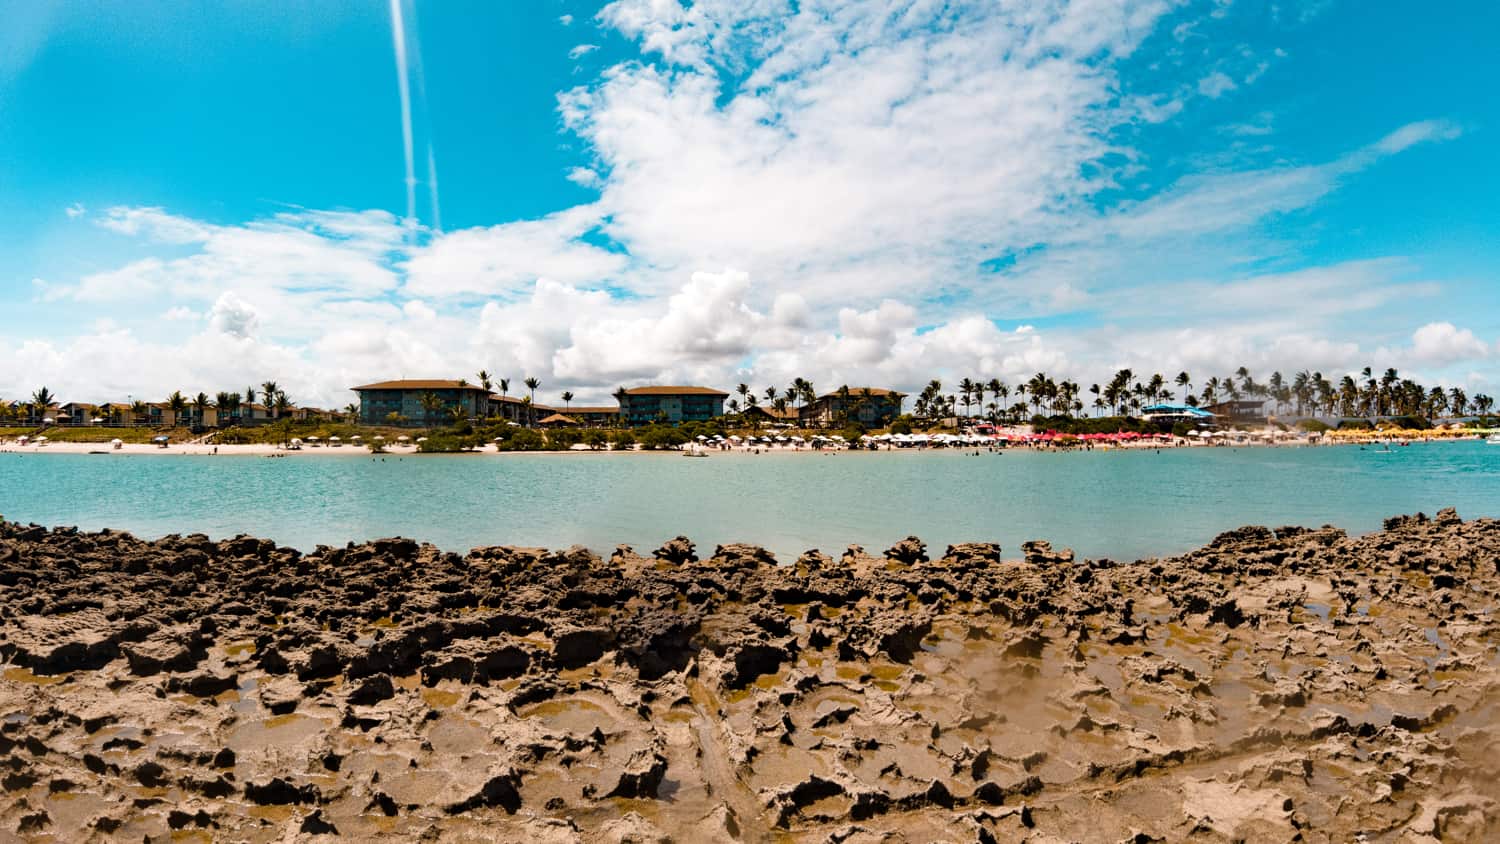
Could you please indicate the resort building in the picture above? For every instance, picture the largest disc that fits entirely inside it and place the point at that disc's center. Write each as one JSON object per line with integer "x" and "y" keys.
{"x": 518, "y": 410}
{"x": 765, "y": 414}
{"x": 873, "y": 407}
{"x": 1175, "y": 413}
{"x": 1242, "y": 411}
{"x": 400, "y": 402}
{"x": 595, "y": 417}
{"x": 644, "y": 405}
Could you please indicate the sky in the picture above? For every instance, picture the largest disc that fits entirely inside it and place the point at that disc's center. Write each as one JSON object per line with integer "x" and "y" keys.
{"x": 202, "y": 196}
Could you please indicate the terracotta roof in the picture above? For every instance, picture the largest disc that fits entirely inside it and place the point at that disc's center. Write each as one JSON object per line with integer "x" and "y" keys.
{"x": 674, "y": 391}
{"x": 594, "y": 410}
{"x": 420, "y": 384}
{"x": 856, "y": 392}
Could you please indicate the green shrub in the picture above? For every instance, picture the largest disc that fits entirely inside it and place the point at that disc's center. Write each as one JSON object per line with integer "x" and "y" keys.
{"x": 901, "y": 425}
{"x": 1313, "y": 426}
{"x": 444, "y": 443}
{"x": 522, "y": 439}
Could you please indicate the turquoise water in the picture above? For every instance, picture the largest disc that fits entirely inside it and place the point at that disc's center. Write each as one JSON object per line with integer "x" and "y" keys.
{"x": 1121, "y": 504}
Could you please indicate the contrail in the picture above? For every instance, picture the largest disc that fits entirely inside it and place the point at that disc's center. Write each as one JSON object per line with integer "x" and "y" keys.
{"x": 398, "y": 32}
{"x": 437, "y": 214}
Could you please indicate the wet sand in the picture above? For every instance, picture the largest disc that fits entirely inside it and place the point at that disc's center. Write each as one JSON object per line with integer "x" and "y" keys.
{"x": 1276, "y": 685}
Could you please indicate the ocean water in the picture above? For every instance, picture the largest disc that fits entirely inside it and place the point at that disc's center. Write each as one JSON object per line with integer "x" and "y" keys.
{"x": 1120, "y": 504}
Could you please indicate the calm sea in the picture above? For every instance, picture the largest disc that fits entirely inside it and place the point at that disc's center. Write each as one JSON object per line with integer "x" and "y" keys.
{"x": 1121, "y": 504}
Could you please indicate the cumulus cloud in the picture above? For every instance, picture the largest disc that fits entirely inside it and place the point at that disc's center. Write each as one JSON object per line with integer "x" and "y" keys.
{"x": 498, "y": 260}
{"x": 875, "y": 194}
{"x": 1443, "y": 343}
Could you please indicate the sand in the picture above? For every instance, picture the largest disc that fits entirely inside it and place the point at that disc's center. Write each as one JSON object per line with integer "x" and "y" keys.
{"x": 1276, "y": 685}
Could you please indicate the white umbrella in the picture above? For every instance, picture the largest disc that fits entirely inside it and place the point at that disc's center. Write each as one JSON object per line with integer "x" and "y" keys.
{"x": 702, "y": 438}
{"x": 296, "y": 441}
{"x": 41, "y": 439}
{"x": 378, "y": 438}
{"x": 334, "y": 440}
{"x": 356, "y": 438}
{"x": 403, "y": 439}
{"x": 734, "y": 438}
{"x": 421, "y": 439}
{"x": 312, "y": 439}
{"x": 96, "y": 420}
{"x": 116, "y": 441}
{"x": 48, "y": 419}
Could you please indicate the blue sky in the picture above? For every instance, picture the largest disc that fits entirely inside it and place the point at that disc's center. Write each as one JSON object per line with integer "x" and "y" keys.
{"x": 199, "y": 196}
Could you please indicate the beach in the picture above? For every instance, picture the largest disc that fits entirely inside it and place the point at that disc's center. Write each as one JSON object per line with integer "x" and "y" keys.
{"x": 1277, "y": 684}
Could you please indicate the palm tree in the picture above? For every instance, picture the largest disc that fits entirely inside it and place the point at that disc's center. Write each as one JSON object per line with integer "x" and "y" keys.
{"x": 1458, "y": 401}
{"x": 1185, "y": 381}
{"x": 43, "y": 399}
{"x": 351, "y": 412}
{"x": 177, "y": 403}
{"x": 484, "y": 380}
{"x": 283, "y": 404}
{"x": 531, "y": 384}
{"x": 526, "y": 409}
{"x": 200, "y": 409}
{"x": 431, "y": 404}
{"x": 744, "y": 391}
{"x": 138, "y": 410}
{"x": 567, "y": 398}
{"x": 504, "y": 386}
{"x": 268, "y": 391}
{"x": 966, "y": 390}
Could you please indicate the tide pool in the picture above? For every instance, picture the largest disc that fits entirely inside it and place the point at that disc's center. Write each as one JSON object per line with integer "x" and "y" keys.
{"x": 1120, "y": 504}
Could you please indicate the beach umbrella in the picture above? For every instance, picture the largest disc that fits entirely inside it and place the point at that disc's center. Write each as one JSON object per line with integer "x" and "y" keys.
{"x": 48, "y": 420}
{"x": 421, "y": 439}
{"x": 116, "y": 441}
{"x": 312, "y": 439}
{"x": 41, "y": 439}
{"x": 403, "y": 439}
{"x": 334, "y": 440}
{"x": 96, "y": 420}
{"x": 498, "y": 440}
{"x": 356, "y": 438}
{"x": 379, "y": 438}
{"x": 163, "y": 438}
{"x": 296, "y": 441}
{"x": 701, "y": 438}
{"x": 734, "y": 438}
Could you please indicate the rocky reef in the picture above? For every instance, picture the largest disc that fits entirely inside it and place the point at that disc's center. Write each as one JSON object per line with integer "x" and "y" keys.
{"x": 1276, "y": 685}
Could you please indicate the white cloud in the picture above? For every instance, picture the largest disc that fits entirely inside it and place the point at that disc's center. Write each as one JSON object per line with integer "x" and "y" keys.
{"x": 565, "y": 20}
{"x": 499, "y": 260}
{"x": 812, "y": 191}
{"x": 75, "y": 210}
{"x": 1215, "y": 85}
{"x": 1443, "y": 343}
{"x": 582, "y": 50}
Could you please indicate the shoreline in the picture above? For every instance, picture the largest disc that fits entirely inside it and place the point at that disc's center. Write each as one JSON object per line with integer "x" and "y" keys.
{"x": 268, "y": 450}
{"x": 1265, "y": 684}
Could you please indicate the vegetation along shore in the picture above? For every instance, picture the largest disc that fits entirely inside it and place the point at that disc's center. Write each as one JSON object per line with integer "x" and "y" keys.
{"x": 458, "y": 415}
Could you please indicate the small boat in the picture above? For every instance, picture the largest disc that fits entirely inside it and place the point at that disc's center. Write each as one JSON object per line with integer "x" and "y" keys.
{"x": 1493, "y": 439}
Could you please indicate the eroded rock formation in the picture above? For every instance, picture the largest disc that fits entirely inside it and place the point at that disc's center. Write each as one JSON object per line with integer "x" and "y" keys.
{"x": 1276, "y": 685}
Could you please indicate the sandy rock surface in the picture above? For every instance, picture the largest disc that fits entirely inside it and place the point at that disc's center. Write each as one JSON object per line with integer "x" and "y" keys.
{"x": 1276, "y": 685}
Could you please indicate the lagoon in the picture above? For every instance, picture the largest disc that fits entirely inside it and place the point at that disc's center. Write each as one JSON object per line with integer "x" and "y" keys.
{"x": 1120, "y": 504}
